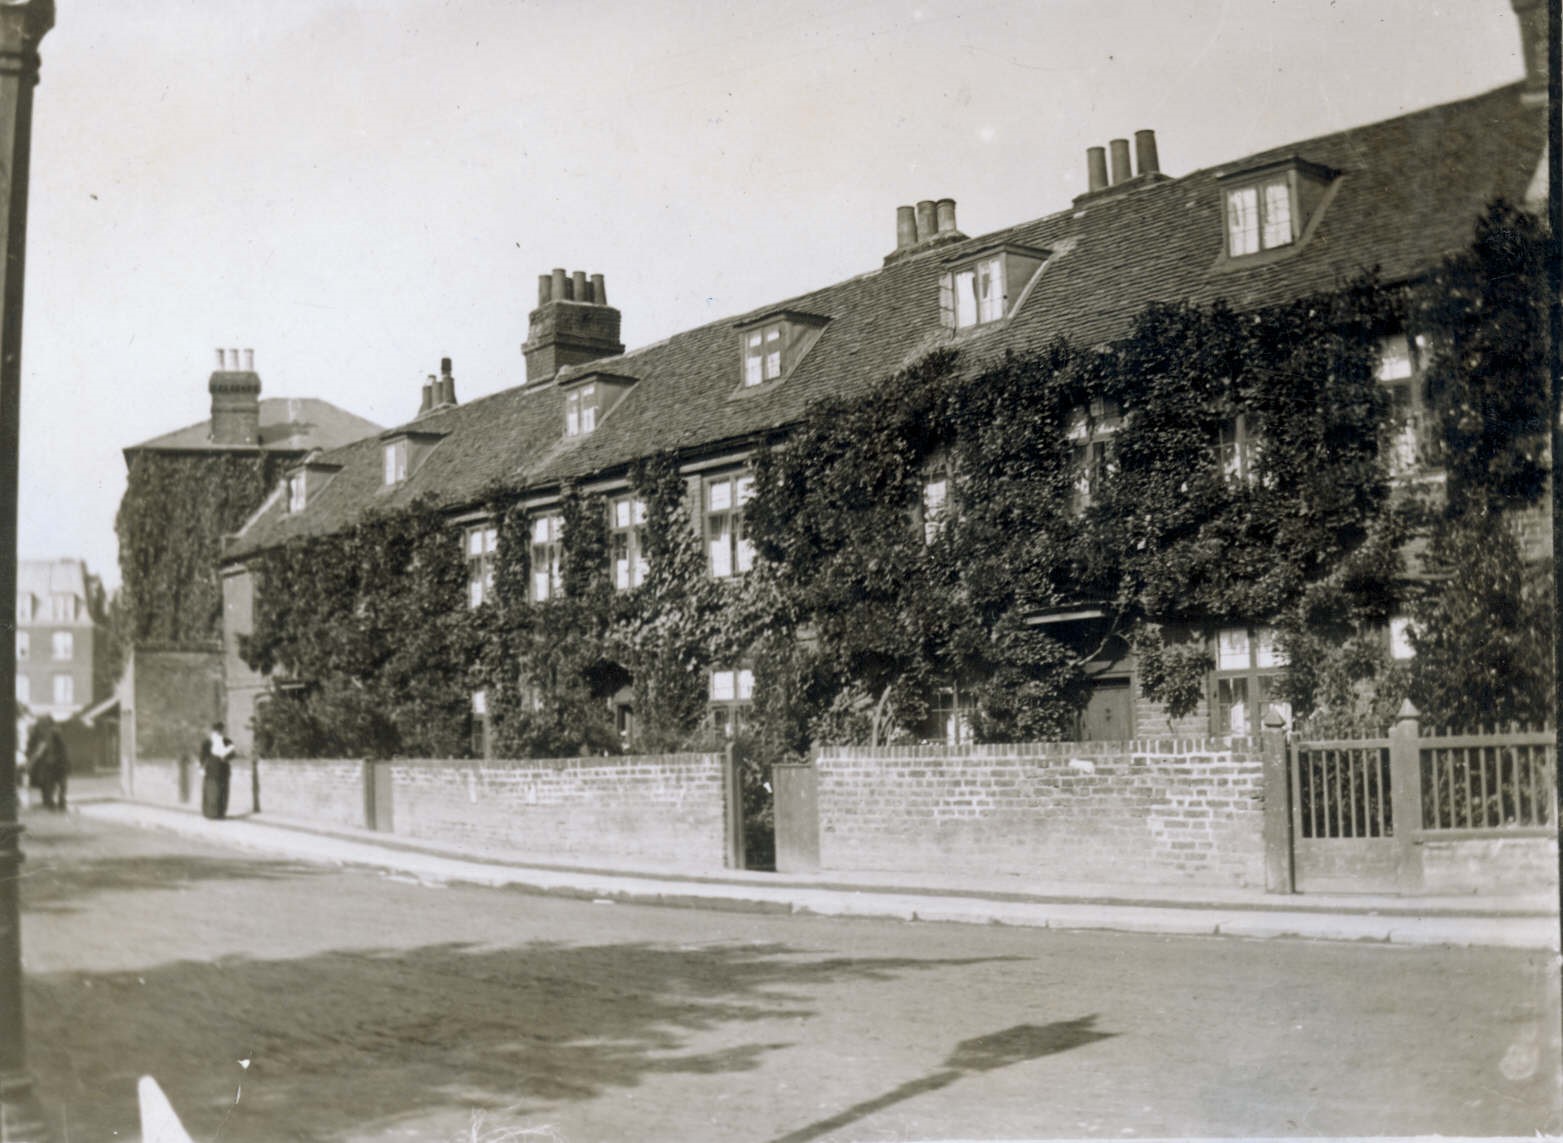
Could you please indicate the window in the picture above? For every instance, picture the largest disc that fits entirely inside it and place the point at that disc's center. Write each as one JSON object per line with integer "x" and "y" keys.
{"x": 580, "y": 410}
{"x": 64, "y": 645}
{"x": 732, "y": 693}
{"x": 24, "y": 607}
{"x": 949, "y": 716}
{"x": 936, "y": 508}
{"x": 985, "y": 286}
{"x": 1238, "y": 450}
{"x": 480, "y": 737}
{"x": 546, "y": 580}
{"x": 482, "y": 542}
{"x": 1408, "y": 441}
{"x": 64, "y": 690}
{"x": 1247, "y": 680}
{"x": 24, "y": 689}
{"x": 395, "y": 462}
{"x": 1400, "y": 635}
{"x": 1091, "y": 428}
{"x": 979, "y": 293}
{"x": 730, "y": 552}
{"x": 296, "y": 492}
{"x": 1260, "y": 217}
{"x": 63, "y": 607}
{"x": 763, "y": 353}
{"x": 24, "y": 645}
{"x": 627, "y": 516}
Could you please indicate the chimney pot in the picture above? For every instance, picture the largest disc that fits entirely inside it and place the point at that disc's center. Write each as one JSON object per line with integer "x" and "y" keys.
{"x": 545, "y": 289}
{"x": 444, "y": 367}
{"x": 219, "y": 360}
{"x": 1096, "y": 168}
{"x": 945, "y": 210}
{"x": 599, "y": 290}
{"x": 905, "y": 227}
{"x": 1533, "y": 19}
{"x": 1119, "y": 150}
{"x": 428, "y": 396}
{"x": 578, "y": 284}
{"x": 926, "y": 220}
{"x": 1145, "y": 160}
{"x": 249, "y": 361}
{"x": 561, "y": 284}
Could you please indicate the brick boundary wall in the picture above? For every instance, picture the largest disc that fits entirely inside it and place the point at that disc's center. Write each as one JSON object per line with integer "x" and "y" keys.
{"x": 665, "y": 810}
{"x": 1184, "y": 811}
{"x": 328, "y": 790}
{"x": 156, "y": 780}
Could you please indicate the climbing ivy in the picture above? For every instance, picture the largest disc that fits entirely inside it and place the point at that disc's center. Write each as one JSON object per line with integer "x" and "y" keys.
{"x": 171, "y": 522}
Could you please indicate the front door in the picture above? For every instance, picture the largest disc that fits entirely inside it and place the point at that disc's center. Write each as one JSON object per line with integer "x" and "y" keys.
{"x": 1108, "y": 714}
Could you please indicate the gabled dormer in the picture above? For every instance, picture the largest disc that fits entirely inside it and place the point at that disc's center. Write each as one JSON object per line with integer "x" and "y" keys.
{"x": 771, "y": 345}
{"x": 589, "y": 396}
{"x": 305, "y": 481}
{"x": 983, "y": 286}
{"x": 1269, "y": 209}
{"x": 402, "y": 451}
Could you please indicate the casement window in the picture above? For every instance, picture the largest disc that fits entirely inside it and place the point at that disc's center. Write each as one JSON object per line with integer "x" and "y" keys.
{"x": 732, "y": 694}
{"x": 949, "y": 716}
{"x": 395, "y": 462}
{"x": 1246, "y": 685}
{"x": 984, "y": 287}
{"x": 936, "y": 507}
{"x": 480, "y": 725}
{"x": 24, "y": 689}
{"x": 1408, "y": 440}
{"x": 1400, "y": 634}
{"x": 1238, "y": 449}
{"x": 481, "y": 544}
{"x": 64, "y": 645}
{"x": 297, "y": 487}
{"x": 626, "y": 521}
{"x": 546, "y": 555}
{"x": 1261, "y": 216}
{"x": 580, "y": 410}
{"x": 1091, "y": 429}
{"x": 729, "y": 550}
{"x": 64, "y": 690}
{"x": 24, "y": 646}
{"x": 763, "y": 353}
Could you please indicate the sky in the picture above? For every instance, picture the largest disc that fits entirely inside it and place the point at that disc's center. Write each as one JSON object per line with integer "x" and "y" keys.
{"x": 357, "y": 188}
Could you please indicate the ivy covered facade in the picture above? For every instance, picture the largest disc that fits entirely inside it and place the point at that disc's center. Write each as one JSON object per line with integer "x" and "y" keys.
{"x": 1192, "y": 451}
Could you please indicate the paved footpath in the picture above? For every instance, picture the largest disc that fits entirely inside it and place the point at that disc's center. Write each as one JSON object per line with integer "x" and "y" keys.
{"x": 1514, "y": 922}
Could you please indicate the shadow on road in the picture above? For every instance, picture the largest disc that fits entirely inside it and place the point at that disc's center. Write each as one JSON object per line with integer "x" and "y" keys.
{"x": 348, "y": 1040}
{"x": 988, "y": 1053}
{"x": 52, "y": 887}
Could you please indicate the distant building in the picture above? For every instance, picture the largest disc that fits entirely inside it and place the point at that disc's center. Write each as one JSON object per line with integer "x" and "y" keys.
{"x": 61, "y": 662}
{"x": 185, "y": 491}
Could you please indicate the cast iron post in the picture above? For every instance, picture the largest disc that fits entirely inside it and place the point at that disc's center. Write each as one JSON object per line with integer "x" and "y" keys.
{"x": 22, "y": 25}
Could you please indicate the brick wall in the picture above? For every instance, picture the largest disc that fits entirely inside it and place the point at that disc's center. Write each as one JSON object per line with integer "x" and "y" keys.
{"x": 327, "y": 790}
{"x": 665, "y": 810}
{"x": 1167, "y": 811}
{"x": 158, "y": 780}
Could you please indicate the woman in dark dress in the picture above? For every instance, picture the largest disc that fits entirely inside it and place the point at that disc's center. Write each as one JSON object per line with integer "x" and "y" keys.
{"x": 216, "y": 750}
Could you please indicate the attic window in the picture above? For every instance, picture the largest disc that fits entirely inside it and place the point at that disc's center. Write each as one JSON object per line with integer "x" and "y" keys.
{"x": 296, "y": 492}
{"x": 1269, "y": 207}
{"x": 986, "y": 287}
{"x": 772, "y": 345}
{"x": 395, "y": 462}
{"x": 580, "y": 411}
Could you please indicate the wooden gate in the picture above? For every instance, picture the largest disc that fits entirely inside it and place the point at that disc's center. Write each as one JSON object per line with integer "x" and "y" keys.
{"x": 1362, "y": 808}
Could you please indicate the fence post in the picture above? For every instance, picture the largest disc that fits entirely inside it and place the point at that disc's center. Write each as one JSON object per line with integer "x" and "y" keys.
{"x": 732, "y": 789}
{"x": 1405, "y": 785}
{"x": 1280, "y": 865}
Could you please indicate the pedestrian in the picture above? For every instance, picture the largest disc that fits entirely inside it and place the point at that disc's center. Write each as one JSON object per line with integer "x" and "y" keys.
{"x": 48, "y": 763}
{"x": 216, "y": 750}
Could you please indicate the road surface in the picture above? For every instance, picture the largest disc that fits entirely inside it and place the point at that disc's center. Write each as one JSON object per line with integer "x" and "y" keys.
{"x": 279, "y": 1001}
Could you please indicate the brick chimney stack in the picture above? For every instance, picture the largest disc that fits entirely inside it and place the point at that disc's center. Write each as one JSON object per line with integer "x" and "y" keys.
{"x": 1532, "y": 15}
{"x": 235, "y": 388}
{"x": 572, "y": 324}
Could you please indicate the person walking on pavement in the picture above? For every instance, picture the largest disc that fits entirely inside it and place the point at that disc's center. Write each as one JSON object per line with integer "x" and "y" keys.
{"x": 216, "y": 751}
{"x": 49, "y": 765}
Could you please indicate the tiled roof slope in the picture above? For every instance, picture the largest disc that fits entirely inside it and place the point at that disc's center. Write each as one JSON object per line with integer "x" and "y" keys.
{"x": 287, "y": 424}
{"x": 1408, "y": 191}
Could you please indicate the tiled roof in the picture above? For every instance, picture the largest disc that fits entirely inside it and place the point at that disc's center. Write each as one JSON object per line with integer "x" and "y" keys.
{"x": 1407, "y": 193}
{"x": 287, "y": 424}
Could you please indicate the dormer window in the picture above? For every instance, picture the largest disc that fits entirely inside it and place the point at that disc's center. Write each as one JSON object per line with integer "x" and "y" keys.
{"x": 580, "y": 410}
{"x": 987, "y": 286}
{"x": 771, "y": 345}
{"x": 1269, "y": 207}
{"x": 297, "y": 491}
{"x": 395, "y": 457}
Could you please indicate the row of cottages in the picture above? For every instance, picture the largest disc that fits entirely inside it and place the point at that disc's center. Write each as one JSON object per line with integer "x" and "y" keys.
{"x": 1398, "y": 196}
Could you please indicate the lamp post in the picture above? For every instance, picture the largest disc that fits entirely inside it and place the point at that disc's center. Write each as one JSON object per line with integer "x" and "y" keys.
{"x": 22, "y": 25}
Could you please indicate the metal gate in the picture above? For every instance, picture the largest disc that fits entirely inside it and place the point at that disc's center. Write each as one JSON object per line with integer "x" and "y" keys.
{"x": 1343, "y": 817}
